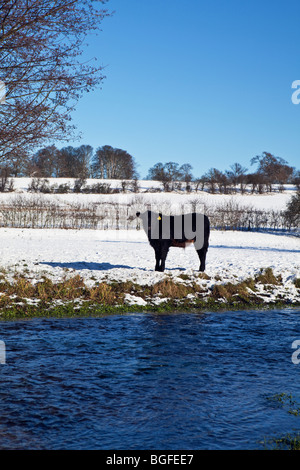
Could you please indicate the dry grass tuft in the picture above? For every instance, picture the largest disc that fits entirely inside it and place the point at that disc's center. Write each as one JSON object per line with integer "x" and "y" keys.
{"x": 170, "y": 289}
{"x": 268, "y": 277}
{"x": 297, "y": 283}
{"x": 103, "y": 293}
{"x": 232, "y": 292}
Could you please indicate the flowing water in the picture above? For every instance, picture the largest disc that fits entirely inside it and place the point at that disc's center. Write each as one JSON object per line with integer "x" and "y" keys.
{"x": 148, "y": 381}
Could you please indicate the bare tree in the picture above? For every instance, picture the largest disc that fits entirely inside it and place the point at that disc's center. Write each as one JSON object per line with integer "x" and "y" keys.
{"x": 43, "y": 163}
{"x": 112, "y": 163}
{"x": 40, "y": 45}
{"x": 170, "y": 174}
{"x": 186, "y": 175}
{"x": 274, "y": 169}
{"x": 199, "y": 184}
{"x": 156, "y": 173}
{"x": 237, "y": 176}
{"x": 5, "y": 183}
{"x": 18, "y": 163}
{"x": 292, "y": 212}
{"x": 73, "y": 162}
{"x": 222, "y": 181}
{"x": 215, "y": 178}
{"x": 257, "y": 182}
{"x": 295, "y": 178}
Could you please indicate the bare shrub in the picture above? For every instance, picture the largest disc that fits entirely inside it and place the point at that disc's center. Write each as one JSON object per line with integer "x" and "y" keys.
{"x": 6, "y": 183}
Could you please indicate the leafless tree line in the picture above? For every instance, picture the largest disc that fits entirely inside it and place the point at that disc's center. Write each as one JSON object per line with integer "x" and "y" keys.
{"x": 271, "y": 171}
{"x": 42, "y": 43}
{"x": 74, "y": 162}
{"x": 36, "y": 211}
{"x": 111, "y": 163}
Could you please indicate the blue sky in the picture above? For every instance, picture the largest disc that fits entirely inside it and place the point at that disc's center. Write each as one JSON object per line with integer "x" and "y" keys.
{"x": 200, "y": 82}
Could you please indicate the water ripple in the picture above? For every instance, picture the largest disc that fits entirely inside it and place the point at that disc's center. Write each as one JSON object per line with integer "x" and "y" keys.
{"x": 192, "y": 381}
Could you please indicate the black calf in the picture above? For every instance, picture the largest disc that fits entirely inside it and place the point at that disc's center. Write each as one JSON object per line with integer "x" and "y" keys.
{"x": 179, "y": 231}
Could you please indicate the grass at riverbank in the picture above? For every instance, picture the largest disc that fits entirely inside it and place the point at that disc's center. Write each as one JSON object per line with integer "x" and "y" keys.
{"x": 22, "y": 297}
{"x": 289, "y": 441}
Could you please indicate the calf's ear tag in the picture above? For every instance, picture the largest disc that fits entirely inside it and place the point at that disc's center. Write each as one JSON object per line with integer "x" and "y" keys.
{"x": 159, "y": 217}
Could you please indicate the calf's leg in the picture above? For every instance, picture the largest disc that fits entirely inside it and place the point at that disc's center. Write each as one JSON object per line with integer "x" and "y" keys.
{"x": 164, "y": 253}
{"x": 157, "y": 258}
{"x": 161, "y": 252}
{"x": 202, "y": 256}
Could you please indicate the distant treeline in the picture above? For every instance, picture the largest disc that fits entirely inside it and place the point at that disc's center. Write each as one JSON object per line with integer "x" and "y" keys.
{"x": 36, "y": 211}
{"x": 113, "y": 163}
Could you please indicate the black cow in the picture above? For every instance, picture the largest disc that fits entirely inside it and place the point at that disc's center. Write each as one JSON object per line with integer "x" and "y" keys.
{"x": 179, "y": 231}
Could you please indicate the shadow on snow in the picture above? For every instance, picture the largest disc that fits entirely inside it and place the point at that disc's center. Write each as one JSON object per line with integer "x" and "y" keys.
{"x": 79, "y": 265}
{"x": 85, "y": 265}
{"x": 255, "y": 248}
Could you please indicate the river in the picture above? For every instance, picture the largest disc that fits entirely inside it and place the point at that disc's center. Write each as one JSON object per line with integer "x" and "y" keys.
{"x": 148, "y": 381}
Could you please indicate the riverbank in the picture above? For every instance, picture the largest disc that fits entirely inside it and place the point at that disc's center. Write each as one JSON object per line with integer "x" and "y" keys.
{"x": 76, "y": 272}
{"x": 21, "y": 308}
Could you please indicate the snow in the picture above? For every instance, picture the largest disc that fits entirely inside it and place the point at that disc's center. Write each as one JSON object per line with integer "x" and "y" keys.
{"x": 126, "y": 255}
{"x": 134, "y": 300}
{"x": 266, "y": 201}
{"x": 107, "y": 255}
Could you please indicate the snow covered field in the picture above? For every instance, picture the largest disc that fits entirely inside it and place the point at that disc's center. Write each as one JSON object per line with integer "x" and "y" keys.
{"x": 107, "y": 255}
{"x": 121, "y": 255}
{"x": 265, "y": 201}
